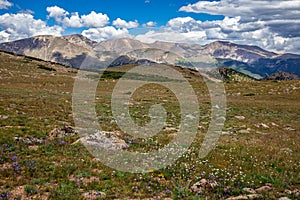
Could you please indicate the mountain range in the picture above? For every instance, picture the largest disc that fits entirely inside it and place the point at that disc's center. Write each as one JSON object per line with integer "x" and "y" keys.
{"x": 78, "y": 51}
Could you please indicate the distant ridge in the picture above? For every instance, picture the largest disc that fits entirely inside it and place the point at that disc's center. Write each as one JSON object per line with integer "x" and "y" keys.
{"x": 73, "y": 50}
{"x": 282, "y": 76}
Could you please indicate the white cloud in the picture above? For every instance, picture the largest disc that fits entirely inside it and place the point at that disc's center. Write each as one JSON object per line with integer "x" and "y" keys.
{"x": 105, "y": 33}
{"x": 190, "y": 30}
{"x": 172, "y": 36}
{"x": 120, "y": 23}
{"x": 93, "y": 20}
{"x": 73, "y": 21}
{"x": 4, "y": 4}
{"x": 269, "y": 24}
{"x": 150, "y": 24}
{"x": 23, "y": 25}
{"x": 57, "y": 13}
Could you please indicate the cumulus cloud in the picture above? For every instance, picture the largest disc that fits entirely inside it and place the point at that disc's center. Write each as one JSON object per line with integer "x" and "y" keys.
{"x": 150, "y": 24}
{"x": 23, "y": 25}
{"x": 152, "y": 36}
{"x": 120, "y": 23}
{"x": 57, "y": 13}
{"x": 4, "y": 4}
{"x": 187, "y": 29}
{"x": 272, "y": 25}
{"x": 105, "y": 33}
{"x": 93, "y": 19}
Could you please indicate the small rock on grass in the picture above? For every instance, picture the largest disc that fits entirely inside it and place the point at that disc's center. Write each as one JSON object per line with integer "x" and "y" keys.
{"x": 262, "y": 125}
{"x": 204, "y": 184}
{"x": 34, "y": 147}
{"x": 240, "y": 197}
{"x": 249, "y": 196}
{"x": 249, "y": 190}
{"x": 284, "y": 198}
{"x": 265, "y": 188}
{"x": 240, "y": 117}
{"x": 93, "y": 195}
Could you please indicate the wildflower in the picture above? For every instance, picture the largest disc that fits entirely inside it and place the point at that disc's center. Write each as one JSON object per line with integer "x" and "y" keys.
{"x": 14, "y": 157}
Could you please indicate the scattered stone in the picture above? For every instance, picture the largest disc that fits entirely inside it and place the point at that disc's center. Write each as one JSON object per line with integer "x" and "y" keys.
{"x": 197, "y": 187}
{"x": 34, "y": 147}
{"x": 273, "y": 124}
{"x": 29, "y": 141}
{"x": 254, "y": 196}
{"x": 249, "y": 190}
{"x": 240, "y": 197}
{"x": 240, "y": 117}
{"x": 3, "y": 117}
{"x": 245, "y": 131}
{"x": 296, "y": 192}
{"x": 284, "y": 198}
{"x": 204, "y": 184}
{"x": 66, "y": 131}
{"x": 263, "y": 189}
{"x": 107, "y": 140}
{"x": 288, "y": 191}
{"x": 93, "y": 195}
{"x": 262, "y": 125}
{"x": 84, "y": 180}
{"x": 288, "y": 128}
{"x": 249, "y": 196}
{"x": 226, "y": 133}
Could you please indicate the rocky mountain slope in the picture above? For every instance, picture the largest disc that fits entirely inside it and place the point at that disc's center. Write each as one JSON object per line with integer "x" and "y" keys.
{"x": 279, "y": 76}
{"x": 73, "y": 50}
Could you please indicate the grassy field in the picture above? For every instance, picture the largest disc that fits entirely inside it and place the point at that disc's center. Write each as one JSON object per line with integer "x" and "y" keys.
{"x": 259, "y": 145}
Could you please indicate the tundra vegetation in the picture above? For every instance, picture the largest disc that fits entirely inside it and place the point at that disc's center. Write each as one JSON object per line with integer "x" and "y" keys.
{"x": 257, "y": 154}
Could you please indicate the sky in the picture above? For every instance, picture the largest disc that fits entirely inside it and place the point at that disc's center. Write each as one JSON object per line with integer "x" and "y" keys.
{"x": 271, "y": 24}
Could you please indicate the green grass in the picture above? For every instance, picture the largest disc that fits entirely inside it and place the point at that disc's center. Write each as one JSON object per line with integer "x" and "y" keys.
{"x": 34, "y": 101}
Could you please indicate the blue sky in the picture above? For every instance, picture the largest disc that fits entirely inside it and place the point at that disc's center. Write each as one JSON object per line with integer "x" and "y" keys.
{"x": 141, "y": 10}
{"x": 274, "y": 26}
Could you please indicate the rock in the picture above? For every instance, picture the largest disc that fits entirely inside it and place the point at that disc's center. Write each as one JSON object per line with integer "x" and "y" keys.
{"x": 296, "y": 192}
{"x": 274, "y": 124}
{"x": 3, "y": 117}
{"x": 241, "y": 197}
{"x": 240, "y": 117}
{"x": 84, "y": 180}
{"x": 249, "y": 190}
{"x": 30, "y": 141}
{"x": 254, "y": 196}
{"x": 107, "y": 140}
{"x": 197, "y": 188}
{"x": 249, "y": 196}
{"x": 93, "y": 195}
{"x": 288, "y": 192}
{"x": 245, "y": 131}
{"x": 66, "y": 131}
{"x": 204, "y": 184}
{"x": 288, "y": 128}
{"x": 262, "y": 125}
{"x": 263, "y": 189}
{"x": 34, "y": 147}
{"x": 284, "y": 198}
